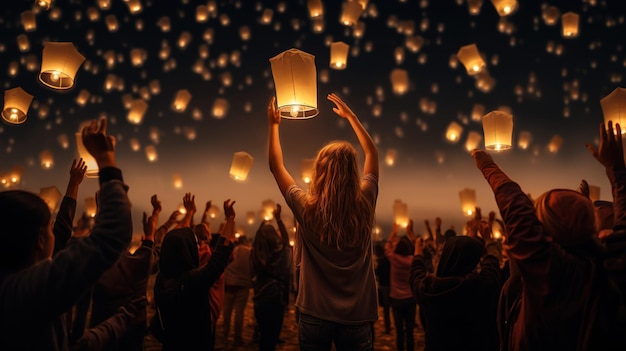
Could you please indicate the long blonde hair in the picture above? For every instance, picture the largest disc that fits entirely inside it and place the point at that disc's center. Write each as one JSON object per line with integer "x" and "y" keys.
{"x": 335, "y": 207}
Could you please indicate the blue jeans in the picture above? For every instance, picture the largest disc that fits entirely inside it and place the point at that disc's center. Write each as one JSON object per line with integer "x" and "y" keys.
{"x": 317, "y": 334}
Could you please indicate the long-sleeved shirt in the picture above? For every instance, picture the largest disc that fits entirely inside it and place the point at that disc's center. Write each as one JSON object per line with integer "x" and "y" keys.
{"x": 400, "y": 288}
{"x": 32, "y": 300}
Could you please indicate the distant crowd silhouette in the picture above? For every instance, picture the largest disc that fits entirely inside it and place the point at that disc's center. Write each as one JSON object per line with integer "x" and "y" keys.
{"x": 555, "y": 280}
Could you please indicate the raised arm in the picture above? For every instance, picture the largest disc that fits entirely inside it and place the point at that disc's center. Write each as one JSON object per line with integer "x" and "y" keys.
{"x": 189, "y": 201}
{"x": 284, "y": 234}
{"x": 409, "y": 231}
{"x": 62, "y": 229}
{"x": 367, "y": 144}
{"x": 275, "y": 151}
{"x": 392, "y": 240}
{"x": 205, "y": 214}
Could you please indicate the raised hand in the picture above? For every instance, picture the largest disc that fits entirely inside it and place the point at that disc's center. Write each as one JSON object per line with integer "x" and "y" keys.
{"x": 229, "y": 210}
{"x": 277, "y": 212}
{"x": 156, "y": 204}
{"x": 273, "y": 115}
{"x": 610, "y": 153}
{"x": 149, "y": 226}
{"x": 438, "y": 222}
{"x": 419, "y": 246}
{"x": 481, "y": 157}
{"x": 100, "y": 145}
{"x": 77, "y": 171}
{"x": 583, "y": 188}
{"x": 189, "y": 202}
{"x": 341, "y": 108}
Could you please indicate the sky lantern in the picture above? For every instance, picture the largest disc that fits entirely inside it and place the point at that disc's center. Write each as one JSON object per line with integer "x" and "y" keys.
{"x": 468, "y": 201}
{"x": 137, "y": 110}
{"x": 613, "y": 107}
{"x": 90, "y": 161}
{"x": 454, "y": 131}
{"x": 93, "y": 14}
{"x": 498, "y": 130}
{"x": 414, "y": 44}
{"x": 390, "y": 157}
{"x": 177, "y": 181}
{"x": 550, "y": 15}
{"x": 569, "y": 22}
{"x": 505, "y": 7}
{"x": 555, "y": 144}
{"x": 90, "y": 206}
{"x": 351, "y": 12}
{"x": 46, "y": 159}
{"x": 134, "y": 144}
{"x": 477, "y": 112}
{"x": 202, "y": 13}
{"x": 82, "y": 97}
{"x": 295, "y": 80}
{"x": 59, "y": 63}
{"x": 241, "y": 165}
{"x": 473, "y": 141}
{"x": 267, "y": 209}
{"x": 358, "y": 30}
{"x": 111, "y": 22}
{"x": 44, "y": 4}
{"x": 398, "y": 54}
{"x": 184, "y": 39}
{"x": 151, "y": 154}
{"x": 485, "y": 82}
{"x": 104, "y": 4}
{"x": 165, "y": 24}
{"x": 399, "y": 81}
{"x": 134, "y": 6}
{"x": 524, "y": 139}
{"x": 400, "y": 213}
{"x": 266, "y": 17}
{"x": 307, "y": 167}
{"x": 220, "y": 108}
{"x": 316, "y": 9}
{"x": 244, "y": 33}
{"x": 473, "y": 6}
{"x": 181, "y": 100}
{"x": 137, "y": 57}
{"x": 317, "y": 25}
{"x": 51, "y": 196}
{"x": 16, "y": 105}
{"x": 471, "y": 59}
{"x": 213, "y": 212}
{"x": 63, "y": 141}
{"x": 22, "y": 43}
{"x": 339, "y": 55}
{"x": 250, "y": 217}
{"x": 28, "y": 21}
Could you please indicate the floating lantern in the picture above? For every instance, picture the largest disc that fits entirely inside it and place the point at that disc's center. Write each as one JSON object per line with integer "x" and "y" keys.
{"x": 244, "y": 33}
{"x": 390, "y": 157}
{"x": 177, "y": 181}
{"x": 51, "y": 196}
{"x": 28, "y": 21}
{"x": 316, "y": 10}
{"x": 295, "y": 79}
{"x": 267, "y": 211}
{"x": 468, "y": 201}
{"x": 137, "y": 57}
{"x": 414, "y": 44}
{"x": 473, "y": 6}
{"x": 307, "y": 168}
{"x": 220, "y": 108}
{"x": 266, "y": 17}
{"x": 184, "y": 39}
{"x": 505, "y": 7}
{"x": 471, "y": 59}
{"x": 555, "y": 144}
{"x": 339, "y": 55}
{"x": 524, "y": 140}
{"x": 59, "y": 64}
{"x": 134, "y": 144}
{"x": 136, "y": 112}
{"x": 250, "y": 217}
{"x": 318, "y": 25}
{"x": 485, "y": 82}
{"x": 104, "y": 4}
{"x": 358, "y": 30}
{"x": 44, "y": 4}
{"x": 477, "y": 112}
{"x": 569, "y": 22}
{"x": 90, "y": 161}
{"x": 22, "y": 43}
{"x": 82, "y": 97}
{"x": 134, "y": 6}
{"x": 453, "y": 133}
{"x": 240, "y": 166}
{"x": 90, "y": 206}
{"x": 399, "y": 81}
{"x": 111, "y": 22}
{"x": 63, "y": 141}
{"x": 151, "y": 153}
{"x": 613, "y": 108}
{"x": 400, "y": 213}
{"x": 351, "y": 12}
{"x": 164, "y": 24}
{"x": 550, "y": 15}
{"x": 473, "y": 141}
{"x": 16, "y": 104}
{"x": 46, "y": 159}
{"x": 498, "y": 130}
{"x": 181, "y": 100}
{"x": 202, "y": 13}
{"x": 213, "y": 212}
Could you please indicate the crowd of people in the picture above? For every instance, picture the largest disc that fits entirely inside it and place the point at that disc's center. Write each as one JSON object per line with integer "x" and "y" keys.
{"x": 556, "y": 280}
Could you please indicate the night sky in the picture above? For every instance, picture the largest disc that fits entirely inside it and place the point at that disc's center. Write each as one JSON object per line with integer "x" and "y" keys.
{"x": 552, "y": 86}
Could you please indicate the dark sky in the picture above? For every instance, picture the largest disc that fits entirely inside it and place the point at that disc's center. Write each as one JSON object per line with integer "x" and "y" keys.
{"x": 518, "y": 61}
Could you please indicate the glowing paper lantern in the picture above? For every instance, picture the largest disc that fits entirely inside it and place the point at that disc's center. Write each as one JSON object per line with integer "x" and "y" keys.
{"x": 550, "y": 15}
{"x": 453, "y": 133}
{"x": 390, "y": 157}
{"x": 471, "y": 59}
{"x": 90, "y": 206}
{"x": 134, "y": 144}
{"x": 111, "y": 22}
{"x": 498, "y": 130}
{"x": 473, "y": 6}
{"x": 151, "y": 153}
{"x": 399, "y": 81}
{"x": 295, "y": 79}
{"x": 414, "y": 44}
{"x": 181, "y": 100}
{"x": 307, "y": 170}
{"x": 202, "y": 13}
{"x": 51, "y": 196}
{"x": 266, "y": 17}
{"x": 468, "y": 201}
{"x": 137, "y": 57}
{"x": 250, "y": 217}
{"x": 339, "y": 55}
{"x": 569, "y": 22}
{"x": 524, "y": 140}
{"x": 213, "y": 212}
{"x": 44, "y": 4}
{"x": 400, "y": 213}
{"x": 16, "y": 104}
{"x": 555, "y": 144}
{"x": 90, "y": 162}
{"x": 268, "y": 207}
{"x": 240, "y": 166}
{"x": 614, "y": 107}
{"x": 505, "y": 7}
{"x": 473, "y": 140}
{"x": 177, "y": 181}
{"x": 477, "y": 112}
{"x": 22, "y": 43}
{"x": 220, "y": 108}
{"x": 82, "y": 97}
{"x": 63, "y": 141}
{"x": 59, "y": 63}
{"x": 351, "y": 12}
{"x": 28, "y": 21}
{"x": 134, "y": 6}
{"x": 136, "y": 112}
{"x": 316, "y": 10}
{"x": 46, "y": 159}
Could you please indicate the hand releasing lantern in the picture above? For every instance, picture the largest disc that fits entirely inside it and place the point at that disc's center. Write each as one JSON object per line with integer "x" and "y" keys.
{"x": 295, "y": 79}
{"x": 614, "y": 107}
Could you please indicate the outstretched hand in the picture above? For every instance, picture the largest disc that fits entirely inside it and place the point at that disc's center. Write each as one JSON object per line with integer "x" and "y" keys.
{"x": 100, "y": 145}
{"x": 189, "y": 202}
{"x": 481, "y": 157}
{"x": 77, "y": 171}
{"x": 229, "y": 210}
{"x": 273, "y": 115}
{"x": 156, "y": 204}
{"x": 277, "y": 212}
{"x": 341, "y": 108}
{"x": 583, "y": 188}
{"x": 149, "y": 226}
{"x": 610, "y": 152}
